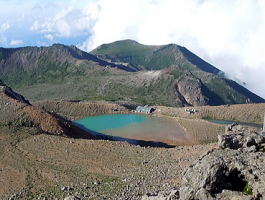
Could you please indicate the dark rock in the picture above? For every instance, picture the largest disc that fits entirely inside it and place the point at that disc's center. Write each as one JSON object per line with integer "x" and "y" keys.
{"x": 10, "y": 93}
{"x": 240, "y": 137}
{"x": 233, "y": 171}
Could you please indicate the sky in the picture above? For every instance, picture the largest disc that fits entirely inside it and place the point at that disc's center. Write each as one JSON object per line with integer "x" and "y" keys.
{"x": 228, "y": 34}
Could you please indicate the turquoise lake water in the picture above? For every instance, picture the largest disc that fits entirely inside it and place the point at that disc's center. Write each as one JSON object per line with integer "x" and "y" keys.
{"x": 137, "y": 126}
{"x": 106, "y": 122}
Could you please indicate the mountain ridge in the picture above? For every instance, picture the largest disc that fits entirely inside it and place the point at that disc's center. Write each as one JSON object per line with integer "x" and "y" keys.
{"x": 181, "y": 58}
{"x": 143, "y": 74}
{"x": 174, "y": 51}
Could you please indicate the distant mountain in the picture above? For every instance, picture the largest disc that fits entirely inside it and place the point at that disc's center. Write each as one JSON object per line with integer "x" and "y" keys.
{"x": 31, "y": 65}
{"x": 124, "y": 70}
{"x": 197, "y": 82}
{"x": 151, "y": 57}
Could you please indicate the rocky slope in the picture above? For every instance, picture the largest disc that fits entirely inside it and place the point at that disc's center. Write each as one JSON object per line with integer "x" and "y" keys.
{"x": 122, "y": 71}
{"x": 48, "y": 167}
{"x": 235, "y": 170}
{"x": 17, "y": 112}
{"x": 197, "y": 82}
{"x": 45, "y": 64}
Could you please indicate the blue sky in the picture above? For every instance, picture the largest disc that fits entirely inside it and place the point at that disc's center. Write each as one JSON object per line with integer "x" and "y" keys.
{"x": 228, "y": 34}
{"x": 17, "y": 20}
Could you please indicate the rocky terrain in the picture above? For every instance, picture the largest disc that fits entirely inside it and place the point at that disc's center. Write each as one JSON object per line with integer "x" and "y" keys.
{"x": 45, "y": 166}
{"x": 196, "y": 81}
{"x": 43, "y": 155}
{"x": 234, "y": 170}
{"x": 17, "y": 112}
{"x": 168, "y": 75}
{"x": 34, "y": 165}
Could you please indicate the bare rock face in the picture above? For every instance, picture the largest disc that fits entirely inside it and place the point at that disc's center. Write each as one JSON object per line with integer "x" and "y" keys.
{"x": 191, "y": 89}
{"x": 233, "y": 171}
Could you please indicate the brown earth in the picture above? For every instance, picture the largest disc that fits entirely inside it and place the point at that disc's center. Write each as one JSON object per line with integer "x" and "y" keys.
{"x": 38, "y": 166}
{"x": 77, "y": 110}
{"x": 46, "y": 166}
{"x": 239, "y": 112}
{"x": 17, "y": 112}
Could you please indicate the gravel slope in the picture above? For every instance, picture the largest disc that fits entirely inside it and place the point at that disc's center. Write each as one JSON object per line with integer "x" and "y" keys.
{"x": 39, "y": 166}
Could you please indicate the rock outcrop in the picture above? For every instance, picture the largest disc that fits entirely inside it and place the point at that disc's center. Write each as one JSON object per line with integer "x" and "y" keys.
{"x": 10, "y": 93}
{"x": 191, "y": 90}
{"x": 233, "y": 171}
{"x": 16, "y": 111}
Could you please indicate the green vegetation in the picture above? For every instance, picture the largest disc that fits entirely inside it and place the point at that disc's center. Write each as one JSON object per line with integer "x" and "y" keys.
{"x": 176, "y": 74}
{"x": 64, "y": 72}
{"x": 247, "y": 190}
{"x": 152, "y": 94}
{"x": 148, "y": 57}
{"x": 226, "y": 93}
{"x": 261, "y": 148}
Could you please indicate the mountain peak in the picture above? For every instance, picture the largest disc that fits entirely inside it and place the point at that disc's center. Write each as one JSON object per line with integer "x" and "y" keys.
{"x": 126, "y": 41}
{"x": 183, "y": 78}
{"x": 153, "y": 57}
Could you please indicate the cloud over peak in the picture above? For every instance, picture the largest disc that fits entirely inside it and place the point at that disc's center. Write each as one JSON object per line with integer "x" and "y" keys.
{"x": 15, "y": 42}
{"x": 228, "y": 34}
{"x": 4, "y": 27}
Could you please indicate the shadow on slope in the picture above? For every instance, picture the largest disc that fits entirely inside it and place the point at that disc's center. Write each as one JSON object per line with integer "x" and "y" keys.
{"x": 240, "y": 89}
{"x": 88, "y": 56}
{"x": 198, "y": 62}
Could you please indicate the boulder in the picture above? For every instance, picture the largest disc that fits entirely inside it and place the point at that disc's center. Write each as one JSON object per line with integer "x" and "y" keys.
{"x": 235, "y": 170}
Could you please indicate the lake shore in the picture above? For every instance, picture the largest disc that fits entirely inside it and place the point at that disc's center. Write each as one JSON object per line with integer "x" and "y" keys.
{"x": 194, "y": 125}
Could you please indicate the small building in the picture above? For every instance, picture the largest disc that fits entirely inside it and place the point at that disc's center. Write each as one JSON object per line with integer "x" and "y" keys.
{"x": 191, "y": 110}
{"x": 145, "y": 109}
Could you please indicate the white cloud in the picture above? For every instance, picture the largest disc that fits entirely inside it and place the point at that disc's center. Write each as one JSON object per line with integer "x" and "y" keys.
{"x": 4, "y": 27}
{"x": 68, "y": 22}
{"x": 15, "y": 42}
{"x": 228, "y": 34}
{"x": 49, "y": 37}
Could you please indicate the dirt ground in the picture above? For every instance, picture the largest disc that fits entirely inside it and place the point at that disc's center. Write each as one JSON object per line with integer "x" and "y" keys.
{"x": 53, "y": 167}
{"x": 239, "y": 112}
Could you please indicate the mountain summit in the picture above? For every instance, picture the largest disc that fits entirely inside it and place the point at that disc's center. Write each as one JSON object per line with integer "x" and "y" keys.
{"x": 125, "y": 71}
{"x": 197, "y": 82}
{"x": 152, "y": 57}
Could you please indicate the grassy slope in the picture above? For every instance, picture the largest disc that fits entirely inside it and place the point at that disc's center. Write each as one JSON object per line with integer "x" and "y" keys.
{"x": 143, "y": 56}
{"x": 110, "y": 86}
